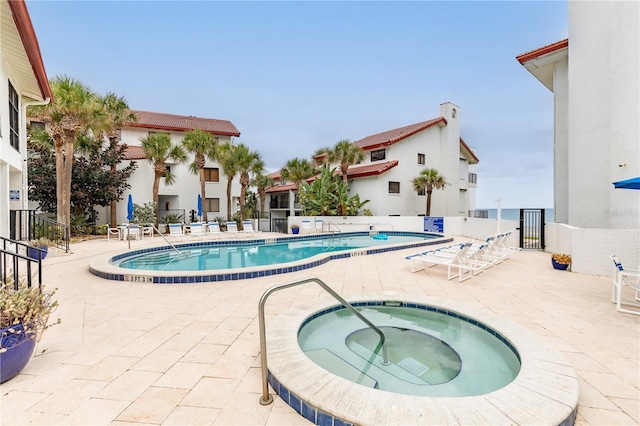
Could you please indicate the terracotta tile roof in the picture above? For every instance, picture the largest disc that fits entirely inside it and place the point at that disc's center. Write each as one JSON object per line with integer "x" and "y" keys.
{"x": 282, "y": 188}
{"x": 550, "y": 48}
{"x": 372, "y": 169}
{"x": 396, "y": 135}
{"x": 157, "y": 120}
{"x": 134, "y": 153}
{"x": 357, "y": 171}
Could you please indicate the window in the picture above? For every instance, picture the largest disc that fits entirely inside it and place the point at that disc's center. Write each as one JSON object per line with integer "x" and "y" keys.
{"x": 378, "y": 155}
{"x": 14, "y": 114}
{"x": 212, "y": 205}
{"x": 422, "y": 191}
{"x": 421, "y": 159}
{"x": 394, "y": 187}
{"x": 211, "y": 174}
{"x": 473, "y": 178}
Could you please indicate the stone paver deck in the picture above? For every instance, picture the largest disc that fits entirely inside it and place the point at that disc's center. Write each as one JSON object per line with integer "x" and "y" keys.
{"x": 136, "y": 353}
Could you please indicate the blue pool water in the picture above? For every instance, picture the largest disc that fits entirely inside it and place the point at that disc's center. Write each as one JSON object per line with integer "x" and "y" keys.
{"x": 222, "y": 255}
{"x": 432, "y": 352}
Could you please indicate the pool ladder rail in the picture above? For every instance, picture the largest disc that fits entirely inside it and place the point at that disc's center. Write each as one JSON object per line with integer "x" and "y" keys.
{"x": 266, "y": 398}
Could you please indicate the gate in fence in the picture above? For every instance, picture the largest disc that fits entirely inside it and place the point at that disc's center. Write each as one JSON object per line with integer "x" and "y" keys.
{"x": 532, "y": 229}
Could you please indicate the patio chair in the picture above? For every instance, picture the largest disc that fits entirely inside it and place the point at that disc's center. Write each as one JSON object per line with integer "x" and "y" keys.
{"x": 146, "y": 230}
{"x": 306, "y": 226}
{"x": 452, "y": 258}
{"x": 622, "y": 277}
{"x": 197, "y": 230}
{"x": 113, "y": 231}
{"x": 132, "y": 231}
{"x": 175, "y": 230}
{"x": 319, "y": 223}
{"x": 232, "y": 227}
{"x": 247, "y": 227}
{"x": 213, "y": 228}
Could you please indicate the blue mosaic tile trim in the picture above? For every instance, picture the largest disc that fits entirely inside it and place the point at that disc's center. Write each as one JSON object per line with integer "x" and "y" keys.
{"x": 304, "y": 408}
{"x": 205, "y": 278}
{"x": 443, "y": 311}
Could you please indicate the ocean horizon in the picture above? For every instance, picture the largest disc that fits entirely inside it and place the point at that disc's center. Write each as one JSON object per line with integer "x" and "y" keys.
{"x": 514, "y": 214}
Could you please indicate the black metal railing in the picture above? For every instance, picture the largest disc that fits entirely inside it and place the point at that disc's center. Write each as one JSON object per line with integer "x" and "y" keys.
{"x": 30, "y": 225}
{"x": 16, "y": 265}
{"x": 56, "y": 232}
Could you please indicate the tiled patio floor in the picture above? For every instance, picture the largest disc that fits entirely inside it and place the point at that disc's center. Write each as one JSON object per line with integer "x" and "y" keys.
{"x": 133, "y": 353}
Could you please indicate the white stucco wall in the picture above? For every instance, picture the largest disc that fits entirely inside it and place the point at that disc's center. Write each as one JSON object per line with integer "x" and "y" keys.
{"x": 183, "y": 194}
{"x": 13, "y": 173}
{"x": 604, "y": 106}
{"x": 441, "y": 146}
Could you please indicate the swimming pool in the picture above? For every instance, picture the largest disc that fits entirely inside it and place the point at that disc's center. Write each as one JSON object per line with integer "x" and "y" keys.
{"x": 544, "y": 390}
{"x": 210, "y": 261}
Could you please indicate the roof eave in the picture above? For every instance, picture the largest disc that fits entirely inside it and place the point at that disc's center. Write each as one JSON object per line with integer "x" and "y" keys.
{"x": 31, "y": 46}
{"x": 180, "y": 129}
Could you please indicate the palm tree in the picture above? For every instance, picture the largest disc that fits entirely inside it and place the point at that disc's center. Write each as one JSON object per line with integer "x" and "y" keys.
{"x": 345, "y": 154}
{"x": 428, "y": 180}
{"x": 158, "y": 149}
{"x": 118, "y": 115}
{"x": 75, "y": 109}
{"x": 202, "y": 145}
{"x": 297, "y": 170}
{"x": 248, "y": 163}
{"x": 262, "y": 183}
{"x": 227, "y": 160}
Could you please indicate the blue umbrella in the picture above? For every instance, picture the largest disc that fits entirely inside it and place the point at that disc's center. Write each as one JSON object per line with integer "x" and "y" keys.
{"x": 129, "y": 216}
{"x": 633, "y": 183}
{"x": 199, "y": 205}
{"x": 130, "y": 208}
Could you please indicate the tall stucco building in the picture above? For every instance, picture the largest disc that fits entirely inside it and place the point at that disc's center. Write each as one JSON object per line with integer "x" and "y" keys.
{"x": 594, "y": 77}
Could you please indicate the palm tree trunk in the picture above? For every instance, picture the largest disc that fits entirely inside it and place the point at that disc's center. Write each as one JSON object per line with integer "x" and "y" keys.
{"x": 59, "y": 178}
{"x": 156, "y": 188}
{"x": 229, "y": 198}
{"x": 68, "y": 168}
{"x": 202, "y": 193}
{"x": 428, "y": 212}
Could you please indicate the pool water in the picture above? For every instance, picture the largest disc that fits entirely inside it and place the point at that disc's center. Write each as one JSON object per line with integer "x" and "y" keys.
{"x": 431, "y": 353}
{"x": 212, "y": 256}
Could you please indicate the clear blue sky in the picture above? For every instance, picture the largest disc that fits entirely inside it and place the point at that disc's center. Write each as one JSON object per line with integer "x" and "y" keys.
{"x": 296, "y": 76}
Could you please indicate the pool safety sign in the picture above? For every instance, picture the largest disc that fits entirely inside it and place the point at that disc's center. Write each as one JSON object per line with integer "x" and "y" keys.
{"x": 434, "y": 224}
{"x": 14, "y": 195}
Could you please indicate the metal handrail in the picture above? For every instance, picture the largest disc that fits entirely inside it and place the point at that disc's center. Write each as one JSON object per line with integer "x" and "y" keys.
{"x": 266, "y": 399}
{"x": 330, "y": 224}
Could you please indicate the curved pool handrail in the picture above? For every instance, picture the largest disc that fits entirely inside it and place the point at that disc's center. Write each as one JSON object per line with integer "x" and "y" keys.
{"x": 266, "y": 399}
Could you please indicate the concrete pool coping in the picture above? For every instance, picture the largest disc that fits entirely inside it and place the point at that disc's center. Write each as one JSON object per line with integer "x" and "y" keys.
{"x": 103, "y": 267}
{"x": 544, "y": 392}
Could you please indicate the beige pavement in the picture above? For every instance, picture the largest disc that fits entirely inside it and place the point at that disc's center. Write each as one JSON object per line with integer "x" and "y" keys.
{"x": 134, "y": 353}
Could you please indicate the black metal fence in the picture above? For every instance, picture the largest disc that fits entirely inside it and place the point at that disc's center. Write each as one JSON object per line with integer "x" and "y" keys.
{"x": 14, "y": 264}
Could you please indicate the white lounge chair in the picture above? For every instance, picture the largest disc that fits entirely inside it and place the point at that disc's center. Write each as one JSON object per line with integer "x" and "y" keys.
{"x": 306, "y": 226}
{"x": 146, "y": 230}
{"x": 197, "y": 229}
{"x": 247, "y": 227}
{"x": 622, "y": 277}
{"x": 452, "y": 258}
{"x": 232, "y": 227}
{"x": 319, "y": 223}
{"x": 213, "y": 228}
{"x": 175, "y": 230}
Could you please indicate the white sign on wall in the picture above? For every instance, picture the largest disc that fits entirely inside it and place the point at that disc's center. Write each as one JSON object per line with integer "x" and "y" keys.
{"x": 14, "y": 195}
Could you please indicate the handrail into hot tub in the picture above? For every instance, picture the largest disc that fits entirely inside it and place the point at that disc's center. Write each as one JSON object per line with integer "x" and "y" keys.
{"x": 266, "y": 399}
